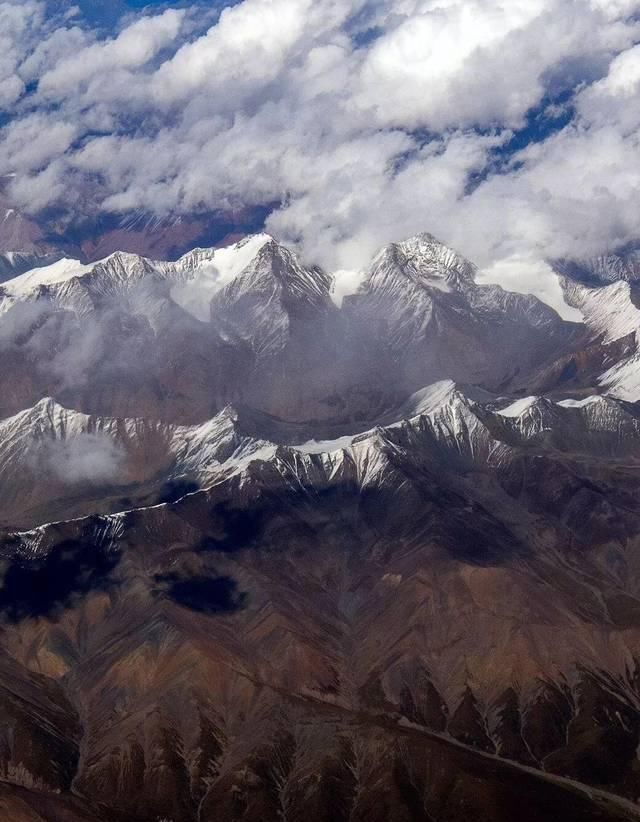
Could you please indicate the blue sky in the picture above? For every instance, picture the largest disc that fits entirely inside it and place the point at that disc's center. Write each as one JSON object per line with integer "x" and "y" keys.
{"x": 109, "y": 12}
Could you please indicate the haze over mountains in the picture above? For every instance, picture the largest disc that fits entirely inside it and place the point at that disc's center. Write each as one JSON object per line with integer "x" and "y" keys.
{"x": 279, "y": 542}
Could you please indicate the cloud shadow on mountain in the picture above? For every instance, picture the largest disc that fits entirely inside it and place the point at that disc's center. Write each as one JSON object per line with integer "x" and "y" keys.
{"x": 45, "y": 586}
{"x": 205, "y": 594}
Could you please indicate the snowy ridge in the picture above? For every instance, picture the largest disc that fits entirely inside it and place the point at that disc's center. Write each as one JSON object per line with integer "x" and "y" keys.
{"x": 429, "y": 399}
{"x": 608, "y": 311}
{"x": 104, "y": 276}
{"x": 193, "y": 450}
{"x": 14, "y": 263}
{"x": 55, "y": 458}
{"x": 205, "y": 271}
{"x": 519, "y": 407}
{"x": 418, "y": 306}
{"x": 439, "y": 420}
{"x": 59, "y": 272}
{"x": 602, "y": 269}
{"x": 622, "y": 380}
{"x": 257, "y": 262}
{"x": 35, "y": 541}
{"x": 415, "y": 269}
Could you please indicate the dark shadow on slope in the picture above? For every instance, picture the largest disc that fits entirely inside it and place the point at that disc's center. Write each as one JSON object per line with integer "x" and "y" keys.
{"x": 47, "y": 585}
{"x": 207, "y": 595}
{"x": 173, "y": 490}
{"x": 285, "y": 519}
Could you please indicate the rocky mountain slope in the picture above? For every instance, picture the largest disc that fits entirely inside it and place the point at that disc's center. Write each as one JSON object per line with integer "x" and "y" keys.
{"x": 271, "y": 554}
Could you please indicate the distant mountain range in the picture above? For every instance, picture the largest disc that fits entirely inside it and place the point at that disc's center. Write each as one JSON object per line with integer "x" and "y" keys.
{"x": 28, "y": 241}
{"x": 280, "y": 543}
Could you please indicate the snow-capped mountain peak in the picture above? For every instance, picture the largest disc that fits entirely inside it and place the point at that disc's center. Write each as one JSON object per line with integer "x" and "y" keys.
{"x": 50, "y": 275}
{"x": 205, "y": 271}
{"x": 427, "y": 262}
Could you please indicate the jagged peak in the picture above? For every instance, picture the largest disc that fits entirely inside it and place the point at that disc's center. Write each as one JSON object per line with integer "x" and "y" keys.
{"x": 246, "y": 248}
{"x": 275, "y": 264}
{"x": 46, "y": 414}
{"x": 442, "y": 394}
{"x": 51, "y": 407}
{"x": 204, "y": 272}
{"x": 601, "y": 269}
{"x": 123, "y": 257}
{"x": 593, "y": 406}
{"x": 428, "y": 262}
{"x": 225, "y": 420}
{"x": 48, "y": 404}
{"x": 124, "y": 264}
{"x": 120, "y": 264}
{"x": 430, "y": 398}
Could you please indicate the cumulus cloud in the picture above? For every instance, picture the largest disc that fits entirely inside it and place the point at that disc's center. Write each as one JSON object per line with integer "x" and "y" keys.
{"x": 91, "y": 69}
{"x": 19, "y": 21}
{"x": 364, "y": 120}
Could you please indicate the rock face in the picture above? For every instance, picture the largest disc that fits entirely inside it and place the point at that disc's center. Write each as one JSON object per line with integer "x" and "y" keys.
{"x": 267, "y": 557}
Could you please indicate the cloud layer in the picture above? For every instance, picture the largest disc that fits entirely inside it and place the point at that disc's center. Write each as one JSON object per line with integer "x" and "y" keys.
{"x": 509, "y": 129}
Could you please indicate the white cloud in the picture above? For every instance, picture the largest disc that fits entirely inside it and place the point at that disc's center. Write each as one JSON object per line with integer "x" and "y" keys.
{"x": 363, "y": 142}
{"x": 243, "y": 52}
{"x": 53, "y": 49}
{"x": 85, "y": 457}
{"x": 432, "y": 69}
{"x": 133, "y": 48}
{"x": 17, "y": 22}
{"x": 530, "y": 275}
{"x": 345, "y": 283}
{"x": 34, "y": 141}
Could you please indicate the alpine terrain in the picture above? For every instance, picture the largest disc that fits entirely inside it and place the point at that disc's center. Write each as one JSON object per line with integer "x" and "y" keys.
{"x": 279, "y": 546}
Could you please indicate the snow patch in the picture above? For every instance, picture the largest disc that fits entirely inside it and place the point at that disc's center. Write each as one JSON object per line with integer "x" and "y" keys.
{"x": 54, "y": 274}
{"x": 325, "y": 446}
{"x": 579, "y": 403}
{"x": 212, "y": 273}
{"x": 608, "y": 311}
{"x": 517, "y": 408}
{"x": 623, "y": 380}
{"x": 429, "y": 399}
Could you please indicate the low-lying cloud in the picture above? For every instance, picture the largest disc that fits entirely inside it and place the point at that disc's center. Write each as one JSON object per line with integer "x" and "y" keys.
{"x": 84, "y": 457}
{"x": 367, "y": 121}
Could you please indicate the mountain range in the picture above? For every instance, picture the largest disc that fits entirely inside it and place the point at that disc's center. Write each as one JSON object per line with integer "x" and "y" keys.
{"x": 280, "y": 543}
